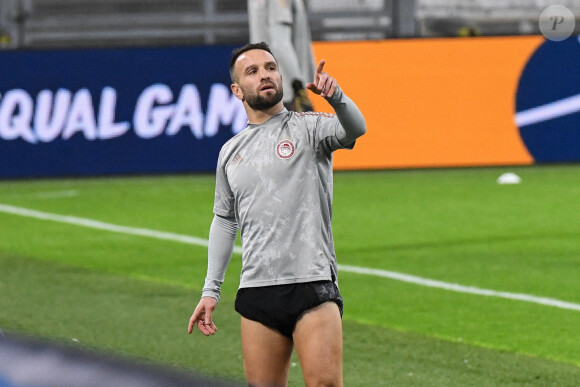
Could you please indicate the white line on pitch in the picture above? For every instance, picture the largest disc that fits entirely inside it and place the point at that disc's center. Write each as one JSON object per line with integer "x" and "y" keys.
{"x": 459, "y": 288}
{"x": 69, "y": 193}
{"x": 105, "y": 226}
{"x": 344, "y": 268}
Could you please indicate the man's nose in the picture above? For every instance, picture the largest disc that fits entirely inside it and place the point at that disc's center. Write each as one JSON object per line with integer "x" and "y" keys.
{"x": 264, "y": 74}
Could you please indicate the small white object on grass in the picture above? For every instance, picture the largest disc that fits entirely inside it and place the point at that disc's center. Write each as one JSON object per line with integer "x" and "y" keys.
{"x": 509, "y": 178}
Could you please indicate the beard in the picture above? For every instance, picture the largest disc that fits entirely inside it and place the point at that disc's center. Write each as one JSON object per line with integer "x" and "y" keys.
{"x": 264, "y": 102}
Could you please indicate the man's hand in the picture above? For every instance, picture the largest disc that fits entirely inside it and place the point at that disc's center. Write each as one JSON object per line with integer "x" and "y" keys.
{"x": 202, "y": 316}
{"x": 323, "y": 85}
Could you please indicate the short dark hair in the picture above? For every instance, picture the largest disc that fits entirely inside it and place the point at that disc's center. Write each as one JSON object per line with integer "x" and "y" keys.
{"x": 250, "y": 46}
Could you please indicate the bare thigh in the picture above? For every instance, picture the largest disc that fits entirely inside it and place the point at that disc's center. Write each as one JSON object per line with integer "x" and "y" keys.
{"x": 318, "y": 342}
{"x": 266, "y": 354}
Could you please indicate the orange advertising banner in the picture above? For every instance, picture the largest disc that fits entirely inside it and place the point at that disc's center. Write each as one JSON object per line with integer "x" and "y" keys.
{"x": 431, "y": 102}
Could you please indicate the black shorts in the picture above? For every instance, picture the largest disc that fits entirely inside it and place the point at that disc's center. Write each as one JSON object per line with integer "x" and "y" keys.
{"x": 280, "y": 306}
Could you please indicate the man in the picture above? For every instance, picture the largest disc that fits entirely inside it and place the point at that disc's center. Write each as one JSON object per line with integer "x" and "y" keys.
{"x": 274, "y": 182}
{"x": 283, "y": 24}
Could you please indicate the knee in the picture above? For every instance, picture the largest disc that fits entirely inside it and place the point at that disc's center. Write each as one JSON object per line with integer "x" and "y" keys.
{"x": 266, "y": 384}
{"x": 323, "y": 380}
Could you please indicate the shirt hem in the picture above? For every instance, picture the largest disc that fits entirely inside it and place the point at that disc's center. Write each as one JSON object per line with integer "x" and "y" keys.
{"x": 284, "y": 281}
{"x": 223, "y": 213}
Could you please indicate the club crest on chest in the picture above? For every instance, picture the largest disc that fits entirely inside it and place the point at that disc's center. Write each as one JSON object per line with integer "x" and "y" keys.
{"x": 285, "y": 149}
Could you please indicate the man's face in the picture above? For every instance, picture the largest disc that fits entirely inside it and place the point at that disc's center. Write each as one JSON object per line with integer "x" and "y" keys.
{"x": 259, "y": 81}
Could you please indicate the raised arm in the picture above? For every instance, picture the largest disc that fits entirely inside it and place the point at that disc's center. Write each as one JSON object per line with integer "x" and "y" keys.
{"x": 347, "y": 112}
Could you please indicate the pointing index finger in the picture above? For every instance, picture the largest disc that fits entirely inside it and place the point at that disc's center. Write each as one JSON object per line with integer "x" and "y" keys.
{"x": 320, "y": 67}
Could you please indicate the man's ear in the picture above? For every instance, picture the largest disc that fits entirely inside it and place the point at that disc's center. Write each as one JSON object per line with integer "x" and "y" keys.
{"x": 237, "y": 90}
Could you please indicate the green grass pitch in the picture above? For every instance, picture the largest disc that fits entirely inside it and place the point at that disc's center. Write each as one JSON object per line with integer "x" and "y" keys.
{"x": 132, "y": 295}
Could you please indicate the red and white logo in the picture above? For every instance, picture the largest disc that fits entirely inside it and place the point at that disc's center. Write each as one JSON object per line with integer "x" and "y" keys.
{"x": 285, "y": 149}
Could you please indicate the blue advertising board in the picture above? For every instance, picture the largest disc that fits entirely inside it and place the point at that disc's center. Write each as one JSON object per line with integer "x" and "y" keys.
{"x": 548, "y": 102}
{"x": 115, "y": 111}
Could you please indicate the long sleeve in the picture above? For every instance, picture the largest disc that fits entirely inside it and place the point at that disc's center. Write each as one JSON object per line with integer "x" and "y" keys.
{"x": 349, "y": 116}
{"x": 222, "y": 236}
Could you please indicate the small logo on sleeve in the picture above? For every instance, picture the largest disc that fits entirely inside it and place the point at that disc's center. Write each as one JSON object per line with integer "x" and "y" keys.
{"x": 237, "y": 159}
{"x": 285, "y": 149}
